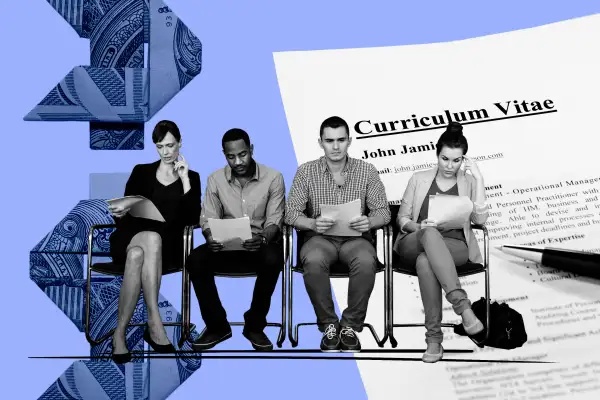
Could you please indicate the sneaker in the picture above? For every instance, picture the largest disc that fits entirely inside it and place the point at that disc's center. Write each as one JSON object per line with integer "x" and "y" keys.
{"x": 349, "y": 342}
{"x": 209, "y": 339}
{"x": 331, "y": 341}
{"x": 259, "y": 340}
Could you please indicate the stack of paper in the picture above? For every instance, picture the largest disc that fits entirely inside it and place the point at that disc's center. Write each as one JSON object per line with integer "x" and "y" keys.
{"x": 139, "y": 206}
{"x": 230, "y": 232}
{"x": 452, "y": 211}
{"x": 342, "y": 214}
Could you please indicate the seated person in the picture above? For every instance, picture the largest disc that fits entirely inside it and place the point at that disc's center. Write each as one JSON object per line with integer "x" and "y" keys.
{"x": 243, "y": 188}
{"x": 334, "y": 179}
{"x": 435, "y": 251}
{"x": 148, "y": 248}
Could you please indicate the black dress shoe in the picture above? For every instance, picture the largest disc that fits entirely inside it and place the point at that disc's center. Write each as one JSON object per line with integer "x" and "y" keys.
{"x": 259, "y": 340}
{"x": 330, "y": 342}
{"x": 209, "y": 339}
{"x": 349, "y": 342}
{"x": 159, "y": 348}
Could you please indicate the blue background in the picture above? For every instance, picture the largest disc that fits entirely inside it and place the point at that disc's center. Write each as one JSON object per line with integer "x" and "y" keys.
{"x": 47, "y": 165}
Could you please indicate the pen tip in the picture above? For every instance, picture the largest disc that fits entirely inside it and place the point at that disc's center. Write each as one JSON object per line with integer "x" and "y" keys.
{"x": 498, "y": 247}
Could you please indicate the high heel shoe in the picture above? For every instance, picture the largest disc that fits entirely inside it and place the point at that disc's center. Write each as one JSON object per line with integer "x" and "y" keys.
{"x": 476, "y": 332}
{"x": 159, "y": 348}
{"x": 121, "y": 358}
{"x": 474, "y": 329}
{"x": 433, "y": 358}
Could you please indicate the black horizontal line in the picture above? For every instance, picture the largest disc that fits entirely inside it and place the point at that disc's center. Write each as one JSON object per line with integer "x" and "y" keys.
{"x": 351, "y": 356}
{"x": 317, "y": 351}
{"x": 367, "y": 136}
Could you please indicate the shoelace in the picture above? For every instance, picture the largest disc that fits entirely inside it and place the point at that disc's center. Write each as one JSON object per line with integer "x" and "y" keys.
{"x": 348, "y": 332}
{"x": 330, "y": 332}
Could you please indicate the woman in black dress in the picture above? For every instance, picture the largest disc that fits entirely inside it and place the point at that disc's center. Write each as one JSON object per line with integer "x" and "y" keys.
{"x": 148, "y": 248}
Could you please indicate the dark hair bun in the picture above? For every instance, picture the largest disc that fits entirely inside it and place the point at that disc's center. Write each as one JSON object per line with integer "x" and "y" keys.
{"x": 454, "y": 128}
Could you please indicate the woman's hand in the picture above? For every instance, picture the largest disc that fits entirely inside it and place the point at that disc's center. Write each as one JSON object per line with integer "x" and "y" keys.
{"x": 118, "y": 211}
{"x": 471, "y": 166}
{"x": 427, "y": 223}
{"x": 181, "y": 167}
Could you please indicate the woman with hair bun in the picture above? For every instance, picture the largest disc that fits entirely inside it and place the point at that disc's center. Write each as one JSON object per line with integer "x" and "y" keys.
{"x": 434, "y": 250}
{"x": 147, "y": 249}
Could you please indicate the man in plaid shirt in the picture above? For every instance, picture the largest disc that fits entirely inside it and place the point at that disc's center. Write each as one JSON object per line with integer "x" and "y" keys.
{"x": 335, "y": 179}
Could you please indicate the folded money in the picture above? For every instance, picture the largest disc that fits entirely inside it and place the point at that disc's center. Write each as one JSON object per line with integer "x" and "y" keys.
{"x": 117, "y": 88}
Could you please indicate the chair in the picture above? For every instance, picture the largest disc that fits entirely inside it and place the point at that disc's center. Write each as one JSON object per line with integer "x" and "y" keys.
{"x": 109, "y": 268}
{"x": 464, "y": 270}
{"x": 338, "y": 270}
{"x": 281, "y": 325}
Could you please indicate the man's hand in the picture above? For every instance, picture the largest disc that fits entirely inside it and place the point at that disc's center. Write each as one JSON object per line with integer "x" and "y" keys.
{"x": 253, "y": 244}
{"x": 323, "y": 224}
{"x": 213, "y": 245}
{"x": 361, "y": 224}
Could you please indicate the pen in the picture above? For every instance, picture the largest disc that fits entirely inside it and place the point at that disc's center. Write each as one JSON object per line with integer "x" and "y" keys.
{"x": 578, "y": 262}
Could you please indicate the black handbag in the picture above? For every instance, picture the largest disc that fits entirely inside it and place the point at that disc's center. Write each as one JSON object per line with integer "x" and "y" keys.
{"x": 507, "y": 330}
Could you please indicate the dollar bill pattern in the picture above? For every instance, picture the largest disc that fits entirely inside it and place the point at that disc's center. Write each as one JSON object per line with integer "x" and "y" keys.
{"x": 57, "y": 267}
{"x": 154, "y": 379}
{"x": 117, "y": 93}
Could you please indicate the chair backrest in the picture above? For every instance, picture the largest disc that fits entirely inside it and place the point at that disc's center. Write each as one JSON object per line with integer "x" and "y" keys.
{"x": 107, "y": 185}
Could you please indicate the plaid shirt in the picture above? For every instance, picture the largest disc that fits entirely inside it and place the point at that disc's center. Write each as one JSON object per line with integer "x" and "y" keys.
{"x": 314, "y": 185}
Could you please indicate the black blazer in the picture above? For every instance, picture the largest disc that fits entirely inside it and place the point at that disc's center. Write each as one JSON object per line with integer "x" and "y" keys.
{"x": 142, "y": 181}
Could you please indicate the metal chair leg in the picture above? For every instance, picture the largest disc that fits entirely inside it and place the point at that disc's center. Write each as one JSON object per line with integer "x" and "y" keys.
{"x": 390, "y": 274}
{"x": 282, "y": 330}
{"x": 486, "y": 252}
{"x": 381, "y": 342}
{"x": 184, "y": 321}
{"x": 89, "y": 290}
{"x": 92, "y": 341}
{"x": 292, "y": 330}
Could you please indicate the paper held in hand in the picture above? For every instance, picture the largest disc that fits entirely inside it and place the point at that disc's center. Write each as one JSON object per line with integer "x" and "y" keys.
{"x": 139, "y": 207}
{"x": 453, "y": 211}
{"x": 230, "y": 232}
{"x": 342, "y": 214}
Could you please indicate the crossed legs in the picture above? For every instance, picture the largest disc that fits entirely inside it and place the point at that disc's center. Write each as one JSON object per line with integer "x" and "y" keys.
{"x": 435, "y": 259}
{"x": 143, "y": 269}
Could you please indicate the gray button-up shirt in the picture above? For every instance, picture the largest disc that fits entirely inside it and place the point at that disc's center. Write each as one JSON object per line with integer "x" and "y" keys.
{"x": 262, "y": 198}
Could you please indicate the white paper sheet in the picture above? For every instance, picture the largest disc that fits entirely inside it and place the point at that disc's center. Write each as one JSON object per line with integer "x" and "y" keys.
{"x": 139, "y": 207}
{"x": 342, "y": 214}
{"x": 529, "y": 134}
{"x": 452, "y": 211}
{"x": 230, "y": 232}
